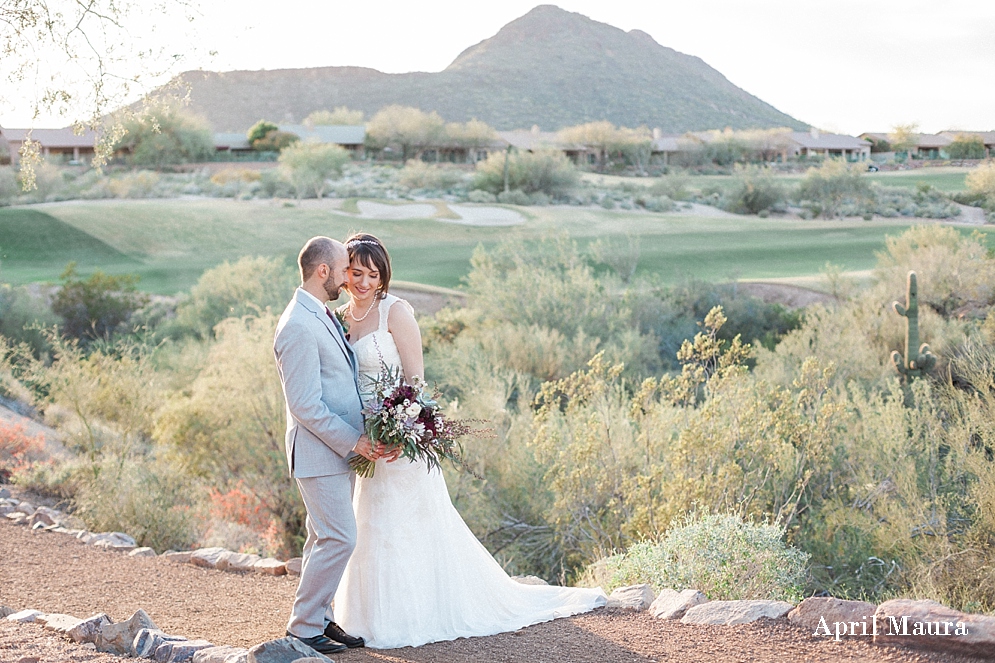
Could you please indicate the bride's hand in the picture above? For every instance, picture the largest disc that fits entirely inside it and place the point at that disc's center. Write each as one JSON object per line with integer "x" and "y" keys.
{"x": 366, "y": 449}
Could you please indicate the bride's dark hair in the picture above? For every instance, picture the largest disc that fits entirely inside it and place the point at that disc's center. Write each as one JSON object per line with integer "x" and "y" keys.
{"x": 371, "y": 254}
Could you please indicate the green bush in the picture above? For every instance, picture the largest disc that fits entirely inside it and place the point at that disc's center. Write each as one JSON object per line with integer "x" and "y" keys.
{"x": 966, "y": 147}
{"x": 9, "y": 187}
{"x": 23, "y": 316}
{"x": 417, "y": 174}
{"x": 479, "y": 196}
{"x": 722, "y": 556}
{"x": 96, "y": 307}
{"x": 147, "y": 499}
{"x": 165, "y": 136}
{"x": 514, "y": 197}
{"x": 548, "y": 171}
{"x": 249, "y": 286}
{"x": 755, "y": 191}
{"x": 833, "y": 184}
{"x": 309, "y": 166}
{"x": 674, "y": 185}
{"x": 260, "y": 130}
{"x": 275, "y": 141}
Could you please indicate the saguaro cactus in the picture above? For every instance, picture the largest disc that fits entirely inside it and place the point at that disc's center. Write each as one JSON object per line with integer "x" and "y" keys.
{"x": 916, "y": 362}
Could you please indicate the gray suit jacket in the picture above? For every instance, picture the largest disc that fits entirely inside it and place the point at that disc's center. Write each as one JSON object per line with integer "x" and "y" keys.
{"x": 320, "y": 382}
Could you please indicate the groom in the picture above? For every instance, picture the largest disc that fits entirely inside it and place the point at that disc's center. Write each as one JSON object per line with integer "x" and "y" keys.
{"x": 324, "y": 426}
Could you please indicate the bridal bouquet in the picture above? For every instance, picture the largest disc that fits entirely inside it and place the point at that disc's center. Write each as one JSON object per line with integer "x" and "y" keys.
{"x": 402, "y": 416}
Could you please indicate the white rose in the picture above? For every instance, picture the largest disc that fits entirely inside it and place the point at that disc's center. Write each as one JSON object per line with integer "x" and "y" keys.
{"x": 413, "y": 410}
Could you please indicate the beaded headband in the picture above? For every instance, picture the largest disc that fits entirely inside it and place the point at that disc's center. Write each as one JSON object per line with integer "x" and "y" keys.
{"x": 371, "y": 242}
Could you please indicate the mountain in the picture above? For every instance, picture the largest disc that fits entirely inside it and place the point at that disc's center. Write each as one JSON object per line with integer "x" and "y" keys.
{"x": 550, "y": 67}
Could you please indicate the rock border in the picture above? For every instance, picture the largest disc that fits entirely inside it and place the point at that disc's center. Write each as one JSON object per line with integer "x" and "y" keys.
{"x": 46, "y": 519}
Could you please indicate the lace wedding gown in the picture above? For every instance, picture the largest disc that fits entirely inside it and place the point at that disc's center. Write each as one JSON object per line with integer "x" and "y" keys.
{"x": 418, "y": 574}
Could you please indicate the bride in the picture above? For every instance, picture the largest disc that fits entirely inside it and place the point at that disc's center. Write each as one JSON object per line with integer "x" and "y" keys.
{"x": 418, "y": 574}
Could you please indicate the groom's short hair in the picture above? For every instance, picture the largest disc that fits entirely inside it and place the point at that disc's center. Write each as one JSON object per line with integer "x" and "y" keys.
{"x": 317, "y": 251}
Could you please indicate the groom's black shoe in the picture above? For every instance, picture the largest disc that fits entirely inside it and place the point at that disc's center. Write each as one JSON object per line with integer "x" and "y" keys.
{"x": 321, "y": 644}
{"x": 334, "y": 632}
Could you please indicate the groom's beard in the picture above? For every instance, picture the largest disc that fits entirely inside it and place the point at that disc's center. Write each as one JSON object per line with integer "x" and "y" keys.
{"x": 332, "y": 289}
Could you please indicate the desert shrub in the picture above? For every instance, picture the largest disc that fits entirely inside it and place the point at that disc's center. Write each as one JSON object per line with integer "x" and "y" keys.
{"x": 48, "y": 181}
{"x": 966, "y": 147}
{"x": 674, "y": 185}
{"x": 548, "y": 171}
{"x": 240, "y": 175}
{"x": 514, "y": 197}
{"x": 309, "y": 165}
{"x": 140, "y": 184}
{"x": 96, "y": 307}
{"x": 981, "y": 181}
{"x": 18, "y": 449}
{"x": 656, "y": 203}
{"x": 755, "y": 191}
{"x": 620, "y": 254}
{"x": 229, "y": 422}
{"x": 24, "y": 314}
{"x": 832, "y": 184}
{"x": 479, "y": 196}
{"x": 273, "y": 183}
{"x": 417, "y": 174}
{"x": 250, "y": 286}
{"x": 930, "y": 251}
{"x": 146, "y": 498}
{"x": 722, "y": 556}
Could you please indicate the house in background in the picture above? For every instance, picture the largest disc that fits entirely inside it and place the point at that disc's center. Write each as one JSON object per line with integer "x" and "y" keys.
{"x": 5, "y": 154}
{"x": 530, "y": 140}
{"x": 62, "y": 144}
{"x": 928, "y": 146}
{"x": 236, "y": 144}
{"x": 351, "y": 137}
{"x": 818, "y": 143}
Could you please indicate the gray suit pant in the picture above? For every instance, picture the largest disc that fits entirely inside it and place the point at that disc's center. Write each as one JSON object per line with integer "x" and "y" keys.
{"x": 331, "y": 538}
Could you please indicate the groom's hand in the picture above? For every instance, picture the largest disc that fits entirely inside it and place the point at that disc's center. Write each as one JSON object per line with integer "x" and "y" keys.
{"x": 364, "y": 447}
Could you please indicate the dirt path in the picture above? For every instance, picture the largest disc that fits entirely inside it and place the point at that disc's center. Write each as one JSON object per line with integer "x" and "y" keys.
{"x": 56, "y": 573}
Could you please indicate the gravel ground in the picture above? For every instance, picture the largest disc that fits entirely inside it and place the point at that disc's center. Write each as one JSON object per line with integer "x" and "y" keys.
{"x": 56, "y": 573}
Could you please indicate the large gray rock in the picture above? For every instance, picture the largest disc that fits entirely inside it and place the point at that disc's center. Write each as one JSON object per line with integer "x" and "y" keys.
{"x": 633, "y": 597}
{"x": 932, "y": 625}
{"x": 529, "y": 580}
{"x": 45, "y": 516}
{"x": 6, "y": 509}
{"x": 820, "y": 612}
{"x": 17, "y": 518}
{"x": 25, "y": 616}
{"x": 177, "y": 652}
{"x": 284, "y": 650}
{"x": 729, "y": 613}
{"x": 144, "y": 551}
{"x": 273, "y": 567}
{"x": 233, "y": 561}
{"x": 671, "y": 604}
{"x": 208, "y": 558}
{"x": 27, "y": 508}
{"x": 4, "y": 493}
{"x": 147, "y": 641}
{"x": 294, "y": 566}
{"x": 223, "y": 654}
{"x": 89, "y": 628}
{"x": 6, "y": 611}
{"x": 60, "y": 623}
{"x": 119, "y": 638}
{"x": 118, "y": 541}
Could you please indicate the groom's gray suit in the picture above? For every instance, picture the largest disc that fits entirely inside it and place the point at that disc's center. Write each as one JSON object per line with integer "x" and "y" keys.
{"x": 324, "y": 421}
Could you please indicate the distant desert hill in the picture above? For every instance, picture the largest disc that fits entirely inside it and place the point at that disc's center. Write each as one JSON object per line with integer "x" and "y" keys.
{"x": 551, "y": 67}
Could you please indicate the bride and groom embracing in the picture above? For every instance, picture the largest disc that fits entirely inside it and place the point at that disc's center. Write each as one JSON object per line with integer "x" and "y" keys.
{"x": 391, "y": 550}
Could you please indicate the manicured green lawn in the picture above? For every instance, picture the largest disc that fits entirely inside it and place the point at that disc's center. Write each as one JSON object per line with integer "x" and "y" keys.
{"x": 169, "y": 243}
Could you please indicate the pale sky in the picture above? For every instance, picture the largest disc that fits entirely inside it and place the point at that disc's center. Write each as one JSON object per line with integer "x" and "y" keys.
{"x": 842, "y": 65}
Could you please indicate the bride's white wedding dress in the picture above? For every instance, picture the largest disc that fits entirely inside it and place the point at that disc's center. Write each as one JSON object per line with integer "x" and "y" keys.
{"x": 418, "y": 574}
